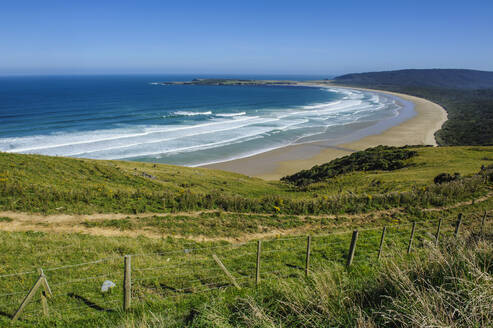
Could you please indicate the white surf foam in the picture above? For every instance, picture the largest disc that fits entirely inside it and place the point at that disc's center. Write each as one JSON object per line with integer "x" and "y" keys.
{"x": 40, "y": 142}
{"x": 230, "y": 114}
{"x": 185, "y": 113}
{"x": 197, "y": 132}
{"x": 278, "y": 127}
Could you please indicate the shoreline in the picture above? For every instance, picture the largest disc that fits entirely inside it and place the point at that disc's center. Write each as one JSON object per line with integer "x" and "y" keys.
{"x": 274, "y": 164}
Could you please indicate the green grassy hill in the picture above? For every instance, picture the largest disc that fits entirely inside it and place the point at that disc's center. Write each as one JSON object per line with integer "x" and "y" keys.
{"x": 35, "y": 183}
{"x": 77, "y": 218}
{"x": 177, "y": 284}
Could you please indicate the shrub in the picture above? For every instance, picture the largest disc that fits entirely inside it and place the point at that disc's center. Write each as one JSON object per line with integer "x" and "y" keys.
{"x": 445, "y": 177}
{"x": 378, "y": 158}
{"x": 487, "y": 172}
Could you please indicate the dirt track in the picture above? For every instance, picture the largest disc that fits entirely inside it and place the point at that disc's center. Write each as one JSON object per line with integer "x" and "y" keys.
{"x": 72, "y": 223}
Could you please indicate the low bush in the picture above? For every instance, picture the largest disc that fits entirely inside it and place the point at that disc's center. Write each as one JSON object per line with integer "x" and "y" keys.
{"x": 383, "y": 158}
{"x": 446, "y": 177}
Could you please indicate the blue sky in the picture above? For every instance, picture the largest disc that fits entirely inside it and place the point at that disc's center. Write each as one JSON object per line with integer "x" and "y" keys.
{"x": 235, "y": 37}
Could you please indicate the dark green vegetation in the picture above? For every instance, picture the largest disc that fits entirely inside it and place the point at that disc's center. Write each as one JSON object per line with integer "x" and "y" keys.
{"x": 229, "y": 82}
{"x": 432, "y": 78}
{"x": 466, "y": 95}
{"x": 446, "y": 177}
{"x": 382, "y": 158}
{"x": 44, "y": 184}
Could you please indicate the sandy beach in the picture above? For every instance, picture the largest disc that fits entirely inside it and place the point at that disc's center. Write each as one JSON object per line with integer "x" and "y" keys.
{"x": 272, "y": 165}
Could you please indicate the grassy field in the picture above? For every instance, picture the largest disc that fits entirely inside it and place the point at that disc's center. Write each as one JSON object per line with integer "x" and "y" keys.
{"x": 43, "y": 184}
{"x": 174, "y": 278}
{"x": 449, "y": 286}
{"x": 77, "y": 219}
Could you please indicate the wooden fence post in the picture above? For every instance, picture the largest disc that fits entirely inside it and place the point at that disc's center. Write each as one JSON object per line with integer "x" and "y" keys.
{"x": 437, "y": 236}
{"x": 127, "y": 282}
{"x": 482, "y": 223}
{"x": 307, "y": 263}
{"x": 44, "y": 302}
{"x": 381, "y": 243}
{"x": 457, "y": 225}
{"x": 257, "y": 272}
{"x": 228, "y": 274}
{"x": 352, "y": 248}
{"x": 47, "y": 293}
{"x": 27, "y": 299}
{"x": 411, "y": 238}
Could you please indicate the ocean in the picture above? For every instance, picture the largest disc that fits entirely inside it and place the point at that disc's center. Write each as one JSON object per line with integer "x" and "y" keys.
{"x": 130, "y": 118}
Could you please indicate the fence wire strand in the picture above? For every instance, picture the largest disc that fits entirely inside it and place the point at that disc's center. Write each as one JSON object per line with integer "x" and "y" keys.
{"x": 425, "y": 232}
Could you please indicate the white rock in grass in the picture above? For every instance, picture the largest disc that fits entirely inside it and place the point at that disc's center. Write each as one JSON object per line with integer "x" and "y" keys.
{"x": 107, "y": 285}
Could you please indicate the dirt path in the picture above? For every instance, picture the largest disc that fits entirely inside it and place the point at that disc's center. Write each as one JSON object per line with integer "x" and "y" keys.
{"x": 456, "y": 205}
{"x": 73, "y": 223}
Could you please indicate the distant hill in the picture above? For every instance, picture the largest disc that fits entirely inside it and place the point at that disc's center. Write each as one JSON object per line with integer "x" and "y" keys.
{"x": 438, "y": 78}
{"x": 466, "y": 95}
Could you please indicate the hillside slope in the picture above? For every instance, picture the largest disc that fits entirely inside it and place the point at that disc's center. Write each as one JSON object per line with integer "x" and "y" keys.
{"x": 437, "y": 78}
{"x": 172, "y": 220}
{"x": 466, "y": 95}
{"x": 34, "y": 183}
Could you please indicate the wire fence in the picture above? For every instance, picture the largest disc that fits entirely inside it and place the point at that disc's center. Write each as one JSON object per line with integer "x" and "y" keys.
{"x": 154, "y": 277}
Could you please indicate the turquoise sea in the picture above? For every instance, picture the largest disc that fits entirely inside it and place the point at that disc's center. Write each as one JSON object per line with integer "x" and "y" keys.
{"x": 132, "y": 118}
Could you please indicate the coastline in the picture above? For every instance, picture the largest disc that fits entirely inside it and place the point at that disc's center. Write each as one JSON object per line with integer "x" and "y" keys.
{"x": 272, "y": 165}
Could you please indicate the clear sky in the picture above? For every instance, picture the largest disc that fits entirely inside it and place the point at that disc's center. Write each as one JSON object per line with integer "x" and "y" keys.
{"x": 237, "y": 37}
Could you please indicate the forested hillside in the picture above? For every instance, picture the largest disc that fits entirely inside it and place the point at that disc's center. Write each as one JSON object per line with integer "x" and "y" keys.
{"x": 467, "y": 96}
{"x": 436, "y": 78}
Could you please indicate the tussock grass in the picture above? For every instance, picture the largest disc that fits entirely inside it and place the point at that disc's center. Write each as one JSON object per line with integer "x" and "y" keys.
{"x": 449, "y": 286}
{"x": 169, "y": 276}
{"x": 35, "y": 183}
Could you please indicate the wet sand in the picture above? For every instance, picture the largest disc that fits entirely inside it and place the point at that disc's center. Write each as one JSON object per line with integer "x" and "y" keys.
{"x": 416, "y": 130}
